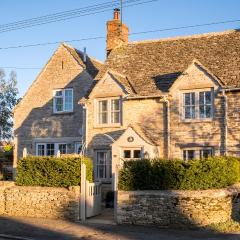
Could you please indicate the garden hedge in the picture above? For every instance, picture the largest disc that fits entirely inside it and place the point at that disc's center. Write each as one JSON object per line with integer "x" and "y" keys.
{"x": 52, "y": 171}
{"x": 160, "y": 174}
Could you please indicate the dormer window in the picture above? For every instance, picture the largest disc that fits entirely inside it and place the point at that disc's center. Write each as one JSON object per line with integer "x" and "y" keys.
{"x": 63, "y": 100}
{"x": 197, "y": 105}
{"x": 108, "y": 111}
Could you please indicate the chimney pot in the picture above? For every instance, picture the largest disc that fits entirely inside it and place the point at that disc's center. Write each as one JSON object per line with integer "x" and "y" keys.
{"x": 116, "y": 14}
{"x": 117, "y": 32}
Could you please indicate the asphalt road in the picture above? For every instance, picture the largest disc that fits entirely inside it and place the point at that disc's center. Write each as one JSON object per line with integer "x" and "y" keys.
{"x": 42, "y": 229}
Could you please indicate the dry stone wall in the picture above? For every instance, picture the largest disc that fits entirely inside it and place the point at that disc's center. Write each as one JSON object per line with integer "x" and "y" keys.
{"x": 41, "y": 202}
{"x": 174, "y": 208}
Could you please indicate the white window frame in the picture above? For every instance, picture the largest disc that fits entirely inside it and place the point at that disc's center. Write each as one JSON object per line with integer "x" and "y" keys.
{"x": 56, "y": 147}
{"x": 108, "y": 166}
{"x": 131, "y": 152}
{"x": 197, "y": 152}
{"x": 76, "y": 145}
{"x": 64, "y": 99}
{"x": 109, "y": 112}
{"x": 197, "y": 105}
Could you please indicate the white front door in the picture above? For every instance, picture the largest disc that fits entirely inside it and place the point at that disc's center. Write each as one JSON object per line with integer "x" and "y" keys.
{"x": 103, "y": 165}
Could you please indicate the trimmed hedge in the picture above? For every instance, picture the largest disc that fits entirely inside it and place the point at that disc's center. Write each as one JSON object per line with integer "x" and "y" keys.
{"x": 52, "y": 171}
{"x": 160, "y": 174}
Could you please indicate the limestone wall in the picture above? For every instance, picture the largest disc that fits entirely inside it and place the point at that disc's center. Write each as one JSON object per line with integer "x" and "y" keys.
{"x": 174, "y": 208}
{"x": 42, "y": 202}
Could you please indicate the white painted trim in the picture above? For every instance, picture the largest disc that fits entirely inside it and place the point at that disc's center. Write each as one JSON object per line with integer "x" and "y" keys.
{"x": 56, "y": 147}
{"x": 197, "y": 113}
{"x": 63, "y": 97}
{"x": 196, "y": 149}
{"x": 108, "y": 165}
{"x": 109, "y": 111}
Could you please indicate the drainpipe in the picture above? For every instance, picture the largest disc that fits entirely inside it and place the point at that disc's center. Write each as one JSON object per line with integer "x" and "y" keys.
{"x": 85, "y": 125}
{"x": 225, "y": 122}
{"x": 168, "y": 126}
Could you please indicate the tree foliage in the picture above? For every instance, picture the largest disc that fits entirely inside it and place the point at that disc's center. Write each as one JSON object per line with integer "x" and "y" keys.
{"x": 8, "y": 99}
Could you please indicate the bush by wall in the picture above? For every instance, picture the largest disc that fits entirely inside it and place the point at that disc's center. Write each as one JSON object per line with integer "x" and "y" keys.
{"x": 160, "y": 174}
{"x": 52, "y": 171}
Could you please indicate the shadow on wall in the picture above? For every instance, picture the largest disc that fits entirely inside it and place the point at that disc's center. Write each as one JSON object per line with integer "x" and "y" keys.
{"x": 41, "y": 122}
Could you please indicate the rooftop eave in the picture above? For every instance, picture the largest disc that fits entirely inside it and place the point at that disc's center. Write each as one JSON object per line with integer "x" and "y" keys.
{"x": 231, "y": 89}
{"x": 131, "y": 97}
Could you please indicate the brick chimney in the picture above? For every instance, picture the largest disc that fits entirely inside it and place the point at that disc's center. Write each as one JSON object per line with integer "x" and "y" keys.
{"x": 117, "y": 32}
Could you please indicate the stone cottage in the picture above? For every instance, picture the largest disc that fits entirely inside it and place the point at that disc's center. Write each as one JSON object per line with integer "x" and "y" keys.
{"x": 172, "y": 98}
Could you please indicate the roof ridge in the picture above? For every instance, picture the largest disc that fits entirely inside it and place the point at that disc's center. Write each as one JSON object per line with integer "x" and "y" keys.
{"x": 77, "y": 50}
{"x": 201, "y": 35}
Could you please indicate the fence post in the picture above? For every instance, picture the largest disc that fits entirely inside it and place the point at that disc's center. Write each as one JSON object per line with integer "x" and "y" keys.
{"x": 24, "y": 152}
{"x": 58, "y": 154}
{"x": 115, "y": 189}
{"x": 83, "y": 192}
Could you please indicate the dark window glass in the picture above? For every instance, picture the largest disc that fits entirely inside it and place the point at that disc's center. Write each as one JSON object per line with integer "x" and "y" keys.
{"x": 137, "y": 153}
{"x": 62, "y": 148}
{"x": 40, "y": 149}
{"x": 127, "y": 153}
{"x": 50, "y": 149}
{"x": 206, "y": 153}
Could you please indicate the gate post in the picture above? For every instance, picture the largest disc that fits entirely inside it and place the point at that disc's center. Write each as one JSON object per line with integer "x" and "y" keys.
{"x": 115, "y": 189}
{"x": 83, "y": 193}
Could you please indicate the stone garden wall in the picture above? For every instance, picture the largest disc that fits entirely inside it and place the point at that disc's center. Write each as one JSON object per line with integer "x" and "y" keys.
{"x": 42, "y": 202}
{"x": 175, "y": 208}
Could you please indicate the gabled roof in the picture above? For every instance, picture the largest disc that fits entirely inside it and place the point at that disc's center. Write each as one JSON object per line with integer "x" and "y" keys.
{"x": 197, "y": 64}
{"x": 123, "y": 80}
{"x": 138, "y": 132}
{"x": 153, "y": 66}
{"x": 92, "y": 65}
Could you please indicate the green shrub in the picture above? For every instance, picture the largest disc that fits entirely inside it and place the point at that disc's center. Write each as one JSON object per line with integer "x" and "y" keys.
{"x": 160, "y": 174}
{"x": 52, "y": 171}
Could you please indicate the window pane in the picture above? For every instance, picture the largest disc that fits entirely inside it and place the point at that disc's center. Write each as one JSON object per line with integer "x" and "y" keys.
{"x": 78, "y": 148}
{"x": 193, "y": 98}
{"x": 68, "y": 100}
{"x": 137, "y": 153}
{"x": 50, "y": 149}
{"x": 115, "y": 117}
{"x": 101, "y": 165}
{"x": 192, "y": 112}
{"x": 187, "y": 112}
{"x": 187, "y": 99}
{"x": 115, "y": 105}
{"x": 59, "y": 104}
{"x": 191, "y": 154}
{"x": 40, "y": 149}
{"x": 127, "y": 153}
{"x": 202, "y": 111}
{"x": 189, "y": 107}
{"x": 103, "y": 112}
{"x": 103, "y": 106}
{"x": 208, "y": 111}
{"x": 201, "y": 98}
{"x": 103, "y": 118}
{"x": 208, "y": 97}
{"x": 206, "y": 153}
{"x": 62, "y": 148}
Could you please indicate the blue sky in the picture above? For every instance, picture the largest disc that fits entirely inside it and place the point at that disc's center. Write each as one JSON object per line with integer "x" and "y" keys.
{"x": 150, "y": 16}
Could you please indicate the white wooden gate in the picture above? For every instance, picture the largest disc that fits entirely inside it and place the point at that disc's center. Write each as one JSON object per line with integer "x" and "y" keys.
{"x": 93, "y": 199}
{"x": 91, "y": 196}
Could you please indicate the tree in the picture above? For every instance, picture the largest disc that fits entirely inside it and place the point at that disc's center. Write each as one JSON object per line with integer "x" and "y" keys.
{"x": 8, "y": 99}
